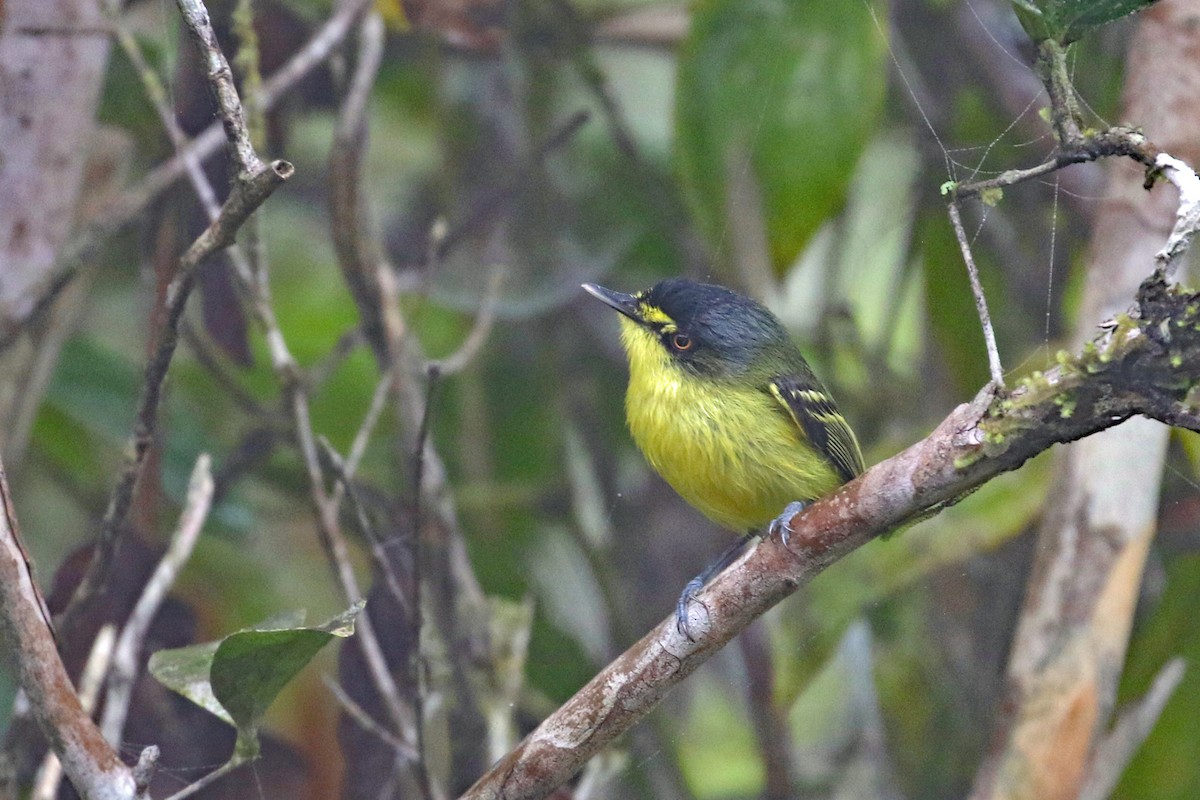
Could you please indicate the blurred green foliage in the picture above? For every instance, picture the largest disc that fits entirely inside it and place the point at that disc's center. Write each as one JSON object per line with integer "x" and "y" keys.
{"x": 776, "y": 99}
{"x": 800, "y": 103}
{"x": 1069, "y": 20}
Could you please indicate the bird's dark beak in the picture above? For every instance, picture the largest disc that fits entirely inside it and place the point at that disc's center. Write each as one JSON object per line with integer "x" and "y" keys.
{"x": 627, "y": 304}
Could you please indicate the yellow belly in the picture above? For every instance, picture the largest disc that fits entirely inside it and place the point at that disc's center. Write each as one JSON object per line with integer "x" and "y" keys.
{"x": 732, "y": 452}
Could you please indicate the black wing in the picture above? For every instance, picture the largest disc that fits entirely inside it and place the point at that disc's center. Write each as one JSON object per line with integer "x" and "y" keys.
{"x": 815, "y": 413}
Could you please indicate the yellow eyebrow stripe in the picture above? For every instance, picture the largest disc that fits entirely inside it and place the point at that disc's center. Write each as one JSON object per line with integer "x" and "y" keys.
{"x": 654, "y": 315}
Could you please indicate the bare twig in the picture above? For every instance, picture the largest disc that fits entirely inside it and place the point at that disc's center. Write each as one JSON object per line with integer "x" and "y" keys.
{"x": 432, "y": 376}
{"x": 1117, "y": 141}
{"x": 1050, "y": 64}
{"x": 415, "y": 620}
{"x": 470, "y": 347}
{"x": 1117, "y": 749}
{"x": 341, "y": 468}
{"x": 358, "y": 253}
{"x": 230, "y": 385}
{"x": 158, "y": 97}
{"x": 157, "y": 94}
{"x": 985, "y": 319}
{"x": 320, "y": 372}
{"x": 125, "y": 660}
{"x": 50, "y": 775}
{"x": 1127, "y": 370}
{"x": 356, "y": 712}
{"x": 209, "y": 779}
{"x": 358, "y": 447}
{"x": 91, "y": 765}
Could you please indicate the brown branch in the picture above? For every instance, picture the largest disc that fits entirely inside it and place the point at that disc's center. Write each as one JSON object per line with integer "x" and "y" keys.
{"x": 342, "y": 469}
{"x": 1118, "y": 141}
{"x": 1137, "y": 366}
{"x": 359, "y": 715}
{"x": 220, "y": 80}
{"x": 91, "y": 765}
{"x": 49, "y": 777}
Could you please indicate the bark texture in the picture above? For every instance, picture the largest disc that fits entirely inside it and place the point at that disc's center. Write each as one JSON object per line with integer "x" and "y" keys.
{"x": 1071, "y": 639}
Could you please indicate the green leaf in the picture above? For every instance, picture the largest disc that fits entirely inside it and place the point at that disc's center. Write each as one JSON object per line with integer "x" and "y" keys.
{"x": 774, "y": 105}
{"x": 238, "y": 677}
{"x": 1068, "y": 20}
{"x": 185, "y": 670}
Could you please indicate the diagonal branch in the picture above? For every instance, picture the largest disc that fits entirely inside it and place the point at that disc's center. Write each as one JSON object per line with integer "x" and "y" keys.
{"x": 92, "y": 766}
{"x": 1136, "y": 366}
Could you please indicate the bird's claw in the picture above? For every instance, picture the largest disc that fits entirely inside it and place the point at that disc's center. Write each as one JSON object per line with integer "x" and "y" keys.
{"x": 782, "y": 524}
{"x": 681, "y": 607}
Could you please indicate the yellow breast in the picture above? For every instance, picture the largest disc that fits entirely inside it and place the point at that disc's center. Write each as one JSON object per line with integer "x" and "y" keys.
{"x": 731, "y": 451}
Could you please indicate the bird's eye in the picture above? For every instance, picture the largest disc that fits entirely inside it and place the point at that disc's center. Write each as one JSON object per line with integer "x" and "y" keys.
{"x": 681, "y": 342}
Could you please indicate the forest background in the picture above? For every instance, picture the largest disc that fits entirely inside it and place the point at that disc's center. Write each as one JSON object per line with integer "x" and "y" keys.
{"x": 404, "y": 311}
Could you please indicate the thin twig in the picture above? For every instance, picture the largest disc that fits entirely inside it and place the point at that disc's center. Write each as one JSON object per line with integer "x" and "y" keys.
{"x": 1114, "y": 752}
{"x": 457, "y": 361}
{"x": 1116, "y": 141}
{"x": 212, "y": 362}
{"x": 358, "y": 447}
{"x": 415, "y": 620}
{"x": 341, "y": 469}
{"x": 359, "y": 255}
{"x": 320, "y": 372}
{"x": 432, "y": 375}
{"x": 209, "y": 779}
{"x": 985, "y": 319}
{"x": 125, "y": 660}
{"x": 157, "y": 94}
{"x": 359, "y": 715}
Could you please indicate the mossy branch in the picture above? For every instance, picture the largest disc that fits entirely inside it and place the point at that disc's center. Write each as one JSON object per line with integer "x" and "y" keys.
{"x": 1146, "y": 362}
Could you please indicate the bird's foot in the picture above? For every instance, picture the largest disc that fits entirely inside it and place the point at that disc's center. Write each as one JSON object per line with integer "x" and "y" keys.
{"x": 782, "y": 523}
{"x": 686, "y": 598}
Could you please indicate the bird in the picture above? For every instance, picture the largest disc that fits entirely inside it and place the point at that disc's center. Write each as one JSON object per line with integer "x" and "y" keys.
{"x": 726, "y": 409}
